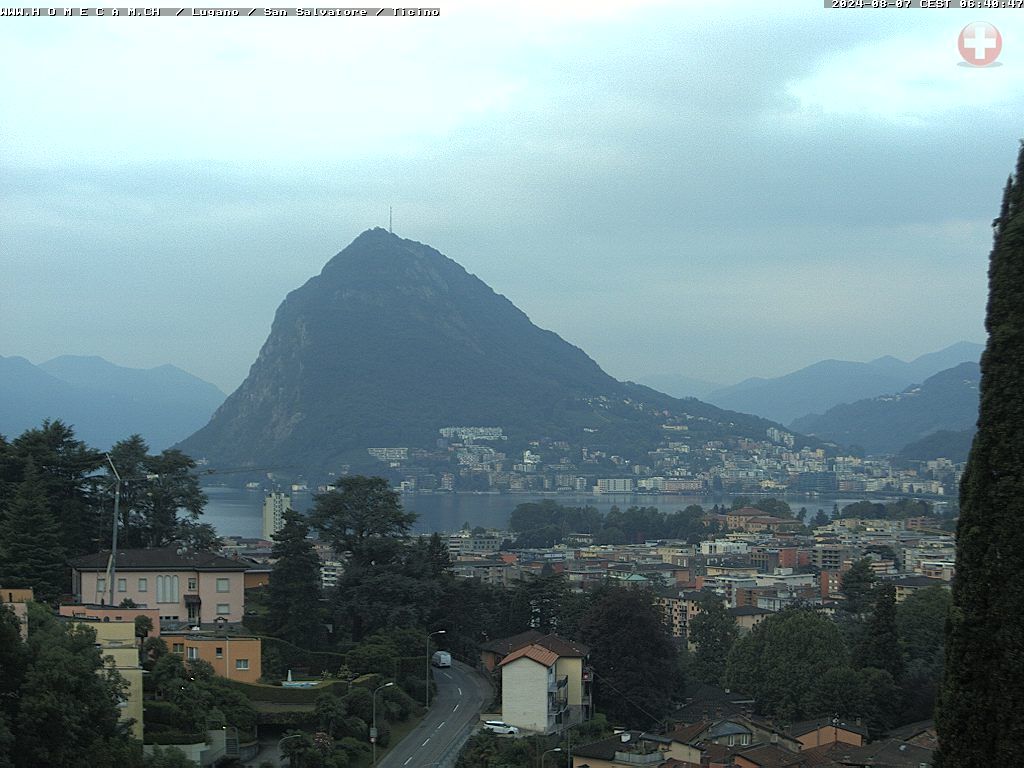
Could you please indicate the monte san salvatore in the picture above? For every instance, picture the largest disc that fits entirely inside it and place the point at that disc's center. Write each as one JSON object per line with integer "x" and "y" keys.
{"x": 393, "y": 342}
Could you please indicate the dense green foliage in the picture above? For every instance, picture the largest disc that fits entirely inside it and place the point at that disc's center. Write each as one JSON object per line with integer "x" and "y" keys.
{"x": 782, "y": 661}
{"x": 54, "y": 505}
{"x": 294, "y": 588}
{"x": 193, "y": 699}
{"x": 60, "y": 701}
{"x": 31, "y": 554}
{"x": 633, "y": 655}
{"x": 547, "y": 523}
{"x": 878, "y": 643}
{"x": 161, "y": 500}
{"x": 900, "y": 509}
{"x": 982, "y": 697}
{"x": 364, "y": 517}
{"x": 797, "y": 665}
{"x": 921, "y": 624}
{"x": 857, "y": 586}
{"x": 713, "y": 632}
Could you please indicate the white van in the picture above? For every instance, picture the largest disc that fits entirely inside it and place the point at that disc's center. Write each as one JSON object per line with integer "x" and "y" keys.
{"x": 441, "y": 659}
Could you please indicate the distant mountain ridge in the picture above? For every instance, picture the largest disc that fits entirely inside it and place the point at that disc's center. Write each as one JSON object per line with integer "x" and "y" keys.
{"x": 104, "y": 402}
{"x": 946, "y": 402}
{"x": 818, "y": 387}
{"x": 393, "y": 341}
{"x": 678, "y": 386}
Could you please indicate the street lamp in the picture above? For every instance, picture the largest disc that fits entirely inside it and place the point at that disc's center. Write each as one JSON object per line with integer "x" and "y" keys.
{"x": 373, "y": 730}
{"x": 430, "y": 635}
{"x": 556, "y": 749}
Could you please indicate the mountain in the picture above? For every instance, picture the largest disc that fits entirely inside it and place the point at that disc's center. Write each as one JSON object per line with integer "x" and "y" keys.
{"x": 827, "y": 383}
{"x": 393, "y": 341}
{"x": 102, "y": 401}
{"x": 947, "y": 401}
{"x": 944, "y": 444}
{"x": 678, "y": 386}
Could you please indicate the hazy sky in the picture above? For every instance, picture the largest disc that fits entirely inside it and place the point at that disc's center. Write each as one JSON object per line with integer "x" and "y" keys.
{"x": 715, "y": 190}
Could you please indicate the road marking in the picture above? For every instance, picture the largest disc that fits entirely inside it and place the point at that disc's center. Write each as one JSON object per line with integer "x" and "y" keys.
{"x": 460, "y": 691}
{"x": 407, "y": 761}
{"x": 447, "y": 675}
{"x": 424, "y": 743}
{"x": 456, "y": 708}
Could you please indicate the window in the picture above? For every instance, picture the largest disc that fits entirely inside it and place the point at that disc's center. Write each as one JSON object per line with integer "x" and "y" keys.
{"x": 101, "y": 585}
{"x": 178, "y": 648}
{"x": 193, "y": 653}
{"x": 241, "y": 663}
{"x": 143, "y": 585}
{"x": 219, "y": 653}
{"x": 122, "y": 585}
{"x": 167, "y": 589}
{"x": 223, "y": 609}
{"x": 193, "y": 583}
{"x": 223, "y": 585}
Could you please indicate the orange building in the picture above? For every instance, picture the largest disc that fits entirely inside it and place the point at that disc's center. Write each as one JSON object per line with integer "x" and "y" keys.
{"x": 235, "y": 657}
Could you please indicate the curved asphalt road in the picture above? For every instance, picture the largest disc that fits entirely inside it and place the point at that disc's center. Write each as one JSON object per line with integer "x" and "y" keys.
{"x": 461, "y": 695}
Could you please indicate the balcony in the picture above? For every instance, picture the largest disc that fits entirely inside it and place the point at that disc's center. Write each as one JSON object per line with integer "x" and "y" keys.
{"x": 554, "y": 683}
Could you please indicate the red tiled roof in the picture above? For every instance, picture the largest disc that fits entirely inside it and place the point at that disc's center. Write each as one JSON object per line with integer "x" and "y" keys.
{"x": 534, "y": 652}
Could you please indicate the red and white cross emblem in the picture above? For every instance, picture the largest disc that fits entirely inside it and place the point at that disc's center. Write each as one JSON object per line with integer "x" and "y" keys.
{"x": 980, "y": 43}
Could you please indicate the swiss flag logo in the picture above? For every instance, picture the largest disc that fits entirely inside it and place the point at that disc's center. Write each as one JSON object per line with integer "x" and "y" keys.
{"x": 980, "y": 43}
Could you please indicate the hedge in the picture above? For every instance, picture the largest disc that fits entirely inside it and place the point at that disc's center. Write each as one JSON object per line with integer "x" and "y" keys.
{"x": 165, "y": 738}
{"x": 281, "y": 695}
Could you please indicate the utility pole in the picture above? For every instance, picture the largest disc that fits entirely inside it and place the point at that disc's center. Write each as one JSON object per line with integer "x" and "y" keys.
{"x": 391, "y": 220}
{"x": 112, "y": 564}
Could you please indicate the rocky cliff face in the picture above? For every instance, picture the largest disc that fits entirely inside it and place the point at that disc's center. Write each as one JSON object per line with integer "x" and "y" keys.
{"x": 393, "y": 341}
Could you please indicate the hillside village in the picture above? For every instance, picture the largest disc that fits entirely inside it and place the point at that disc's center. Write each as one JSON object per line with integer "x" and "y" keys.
{"x": 471, "y": 458}
{"x": 202, "y": 607}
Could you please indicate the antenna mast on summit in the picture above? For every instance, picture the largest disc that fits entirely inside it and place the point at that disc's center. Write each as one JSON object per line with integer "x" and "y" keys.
{"x": 391, "y": 220}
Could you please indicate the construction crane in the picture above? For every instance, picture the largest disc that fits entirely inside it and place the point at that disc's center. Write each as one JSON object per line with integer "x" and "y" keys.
{"x": 118, "y": 481}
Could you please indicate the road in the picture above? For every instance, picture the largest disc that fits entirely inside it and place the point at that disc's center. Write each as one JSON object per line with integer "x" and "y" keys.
{"x": 461, "y": 695}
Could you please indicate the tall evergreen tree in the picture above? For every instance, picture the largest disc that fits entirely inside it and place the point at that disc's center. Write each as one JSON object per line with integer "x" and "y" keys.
{"x": 364, "y": 516}
{"x": 712, "y": 631}
{"x": 879, "y": 644}
{"x": 858, "y": 587}
{"x": 31, "y": 554}
{"x": 161, "y": 500}
{"x": 65, "y": 466}
{"x": 633, "y": 655}
{"x": 294, "y": 589}
{"x": 980, "y": 706}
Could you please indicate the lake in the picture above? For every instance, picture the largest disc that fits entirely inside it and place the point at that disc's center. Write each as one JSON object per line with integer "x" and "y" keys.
{"x": 236, "y": 512}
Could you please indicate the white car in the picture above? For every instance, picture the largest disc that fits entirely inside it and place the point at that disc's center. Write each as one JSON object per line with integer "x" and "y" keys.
{"x": 496, "y": 726}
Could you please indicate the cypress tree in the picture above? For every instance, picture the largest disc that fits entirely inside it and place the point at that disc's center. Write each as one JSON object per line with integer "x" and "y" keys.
{"x": 879, "y": 644}
{"x": 980, "y": 705}
{"x": 294, "y": 589}
{"x": 31, "y": 554}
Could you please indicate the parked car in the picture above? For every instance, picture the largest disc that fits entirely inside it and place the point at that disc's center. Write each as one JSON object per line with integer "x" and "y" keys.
{"x": 497, "y": 726}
